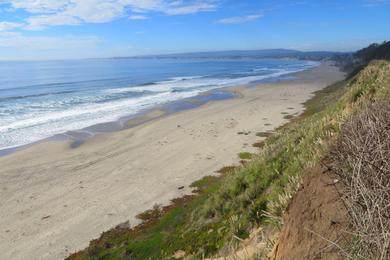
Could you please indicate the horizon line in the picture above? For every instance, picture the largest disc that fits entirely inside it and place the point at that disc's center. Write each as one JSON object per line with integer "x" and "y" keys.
{"x": 174, "y": 53}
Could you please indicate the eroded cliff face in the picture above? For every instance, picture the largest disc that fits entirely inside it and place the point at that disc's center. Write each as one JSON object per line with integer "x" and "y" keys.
{"x": 316, "y": 221}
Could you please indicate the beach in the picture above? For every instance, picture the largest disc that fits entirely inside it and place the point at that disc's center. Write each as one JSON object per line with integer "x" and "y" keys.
{"x": 54, "y": 198}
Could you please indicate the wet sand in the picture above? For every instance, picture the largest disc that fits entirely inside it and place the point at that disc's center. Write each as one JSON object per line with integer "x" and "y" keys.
{"x": 54, "y": 198}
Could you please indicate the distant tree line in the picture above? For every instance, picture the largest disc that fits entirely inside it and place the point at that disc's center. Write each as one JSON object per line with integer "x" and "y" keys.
{"x": 353, "y": 63}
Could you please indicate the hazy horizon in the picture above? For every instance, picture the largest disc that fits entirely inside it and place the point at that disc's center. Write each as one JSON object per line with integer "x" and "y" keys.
{"x": 75, "y": 29}
{"x": 167, "y": 54}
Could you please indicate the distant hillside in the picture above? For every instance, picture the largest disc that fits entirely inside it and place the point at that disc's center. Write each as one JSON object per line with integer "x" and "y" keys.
{"x": 360, "y": 59}
{"x": 246, "y": 54}
{"x": 374, "y": 52}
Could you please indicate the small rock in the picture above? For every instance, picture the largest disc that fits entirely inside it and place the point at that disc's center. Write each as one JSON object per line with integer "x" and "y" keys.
{"x": 124, "y": 225}
{"x": 179, "y": 254}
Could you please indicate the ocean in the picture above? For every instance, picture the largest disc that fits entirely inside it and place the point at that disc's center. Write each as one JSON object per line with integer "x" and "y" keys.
{"x": 46, "y": 98}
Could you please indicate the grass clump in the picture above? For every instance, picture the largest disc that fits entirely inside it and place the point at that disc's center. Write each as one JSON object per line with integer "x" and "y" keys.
{"x": 258, "y": 145}
{"x": 288, "y": 117}
{"x": 263, "y": 134}
{"x": 245, "y": 155}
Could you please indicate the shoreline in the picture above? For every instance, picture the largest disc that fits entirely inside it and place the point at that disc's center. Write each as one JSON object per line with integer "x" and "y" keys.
{"x": 114, "y": 176}
{"x": 79, "y": 136}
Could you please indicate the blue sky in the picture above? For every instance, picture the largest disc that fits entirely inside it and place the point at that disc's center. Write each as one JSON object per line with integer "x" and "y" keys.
{"x": 58, "y": 29}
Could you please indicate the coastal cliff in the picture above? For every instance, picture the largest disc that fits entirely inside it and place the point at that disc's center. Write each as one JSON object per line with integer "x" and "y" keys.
{"x": 296, "y": 190}
{"x": 341, "y": 209}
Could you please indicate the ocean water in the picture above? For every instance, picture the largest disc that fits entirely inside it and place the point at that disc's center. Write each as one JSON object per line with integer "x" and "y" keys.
{"x": 41, "y": 99}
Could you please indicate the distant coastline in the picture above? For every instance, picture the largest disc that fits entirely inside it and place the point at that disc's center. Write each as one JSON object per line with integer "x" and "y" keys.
{"x": 245, "y": 54}
{"x": 207, "y": 94}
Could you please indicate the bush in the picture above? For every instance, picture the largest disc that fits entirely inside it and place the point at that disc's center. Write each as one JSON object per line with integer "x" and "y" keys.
{"x": 362, "y": 160}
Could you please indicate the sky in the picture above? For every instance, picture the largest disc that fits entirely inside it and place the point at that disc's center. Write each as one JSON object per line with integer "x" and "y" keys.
{"x": 71, "y": 29}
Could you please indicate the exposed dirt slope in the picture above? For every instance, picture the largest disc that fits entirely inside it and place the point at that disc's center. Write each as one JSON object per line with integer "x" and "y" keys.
{"x": 315, "y": 219}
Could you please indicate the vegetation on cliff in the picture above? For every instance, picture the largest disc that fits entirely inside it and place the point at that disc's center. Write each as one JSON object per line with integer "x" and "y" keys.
{"x": 230, "y": 207}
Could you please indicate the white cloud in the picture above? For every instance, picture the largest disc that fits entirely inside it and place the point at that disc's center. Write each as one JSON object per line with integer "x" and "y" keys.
{"x": 44, "y": 13}
{"x": 190, "y": 9}
{"x": 138, "y": 17}
{"x": 17, "y": 40}
{"x": 7, "y": 26}
{"x": 14, "y": 46}
{"x": 40, "y": 22}
{"x": 39, "y": 6}
{"x": 239, "y": 19}
{"x": 41, "y": 14}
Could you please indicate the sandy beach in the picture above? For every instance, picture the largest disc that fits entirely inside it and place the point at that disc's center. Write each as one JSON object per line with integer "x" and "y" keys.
{"x": 54, "y": 199}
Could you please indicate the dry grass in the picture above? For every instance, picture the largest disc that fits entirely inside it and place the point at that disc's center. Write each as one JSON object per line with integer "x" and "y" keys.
{"x": 362, "y": 160}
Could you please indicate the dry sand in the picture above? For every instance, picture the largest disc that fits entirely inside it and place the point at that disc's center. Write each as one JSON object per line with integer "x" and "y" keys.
{"x": 54, "y": 199}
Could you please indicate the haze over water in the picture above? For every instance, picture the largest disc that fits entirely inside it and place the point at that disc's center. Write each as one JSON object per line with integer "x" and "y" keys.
{"x": 42, "y": 99}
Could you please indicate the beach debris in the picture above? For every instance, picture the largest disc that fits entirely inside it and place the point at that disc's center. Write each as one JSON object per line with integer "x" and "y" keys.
{"x": 46, "y": 217}
{"x": 244, "y": 132}
{"x": 181, "y": 187}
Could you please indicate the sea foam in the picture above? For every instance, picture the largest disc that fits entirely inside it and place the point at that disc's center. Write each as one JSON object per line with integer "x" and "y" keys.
{"x": 29, "y": 114}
